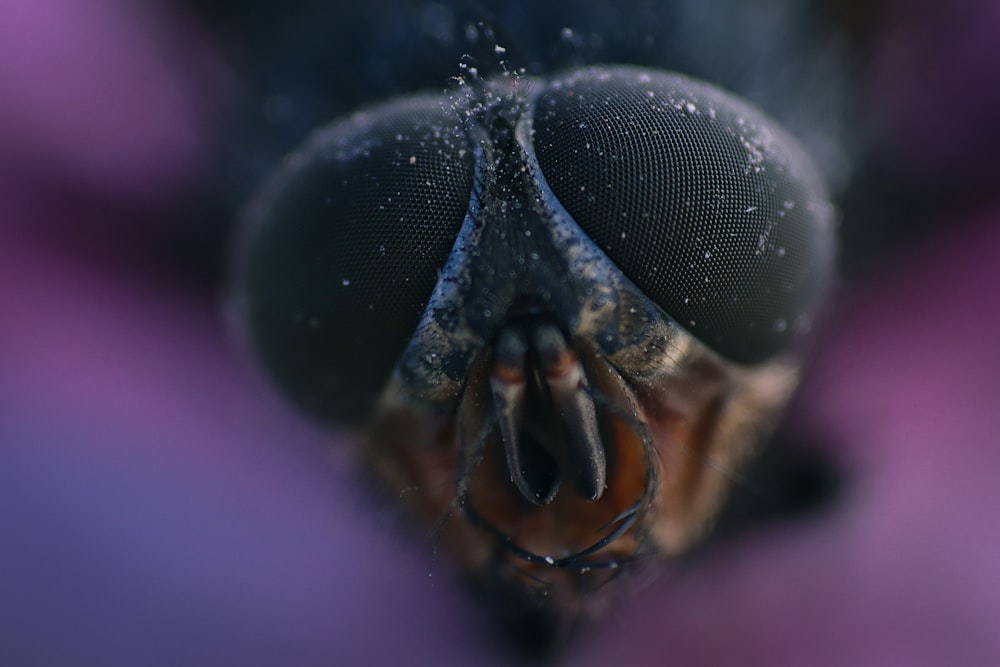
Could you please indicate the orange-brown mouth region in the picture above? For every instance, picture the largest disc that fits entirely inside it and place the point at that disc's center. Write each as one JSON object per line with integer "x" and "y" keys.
{"x": 577, "y": 478}
{"x": 554, "y": 468}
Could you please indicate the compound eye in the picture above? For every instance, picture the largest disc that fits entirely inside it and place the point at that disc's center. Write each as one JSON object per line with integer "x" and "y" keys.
{"x": 342, "y": 249}
{"x": 704, "y": 203}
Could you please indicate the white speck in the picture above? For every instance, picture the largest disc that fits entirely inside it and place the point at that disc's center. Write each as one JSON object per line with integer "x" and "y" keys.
{"x": 345, "y": 282}
{"x": 780, "y": 252}
{"x": 750, "y": 209}
{"x": 691, "y": 108}
{"x": 413, "y": 159}
{"x": 789, "y": 205}
{"x": 499, "y": 49}
{"x": 708, "y": 254}
{"x": 550, "y": 560}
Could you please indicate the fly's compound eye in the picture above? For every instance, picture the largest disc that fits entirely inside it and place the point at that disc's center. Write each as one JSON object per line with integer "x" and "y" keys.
{"x": 342, "y": 250}
{"x": 707, "y": 206}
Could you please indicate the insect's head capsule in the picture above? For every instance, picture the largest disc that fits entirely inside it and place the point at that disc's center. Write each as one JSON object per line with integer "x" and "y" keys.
{"x": 560, "y": 310}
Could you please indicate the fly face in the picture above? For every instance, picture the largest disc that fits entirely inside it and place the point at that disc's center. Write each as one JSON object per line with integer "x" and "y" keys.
{"x": 562, "y": 311}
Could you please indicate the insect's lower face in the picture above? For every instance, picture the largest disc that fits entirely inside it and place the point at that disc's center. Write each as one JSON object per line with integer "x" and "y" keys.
{"x": 562, "y": 311}
{"x": 554, "y": 518}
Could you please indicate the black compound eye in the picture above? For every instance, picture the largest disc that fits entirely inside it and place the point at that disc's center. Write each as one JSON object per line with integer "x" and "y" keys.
{"x": 342, "y": 250}
{"x": 708, "y": 207}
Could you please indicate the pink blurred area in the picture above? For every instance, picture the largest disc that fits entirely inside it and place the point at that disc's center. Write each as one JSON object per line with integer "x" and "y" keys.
{"x": 113, "y": 95}
{"x": 160, "y": 505}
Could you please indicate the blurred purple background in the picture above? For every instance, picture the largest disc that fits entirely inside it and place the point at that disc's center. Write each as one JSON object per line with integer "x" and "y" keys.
{"x": 160, "y": 505}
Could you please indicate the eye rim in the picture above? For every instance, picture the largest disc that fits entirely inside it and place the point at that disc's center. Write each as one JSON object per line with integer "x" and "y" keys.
{"x": 336, "y": 395}
{"x": 783, "y": 149}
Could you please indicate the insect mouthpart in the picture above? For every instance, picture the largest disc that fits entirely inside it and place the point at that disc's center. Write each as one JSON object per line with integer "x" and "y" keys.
{"x": 546, "y": 414}
{"x": 540, "y": 426}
